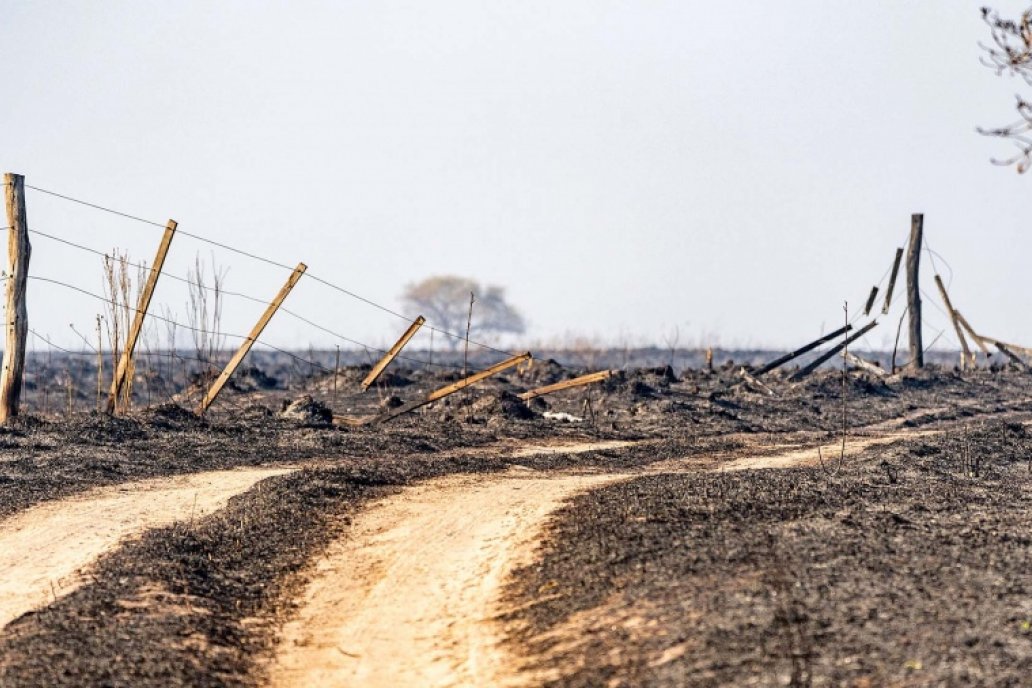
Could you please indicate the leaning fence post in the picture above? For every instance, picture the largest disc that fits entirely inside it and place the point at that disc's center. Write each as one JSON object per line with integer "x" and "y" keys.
{"x": 870, "y": 301}
{"x": 965, "y": 356}
{"x": 125, "y": 363}
{"x": 18, "y": 253}
{"x": 256, "y": 332}
{"x": 816, "y": 363}
{"x": 914, "y": 289}
{"x": 892, "y": 281}
{"x": 390, "y": 355}
{"x": 566, "y": 384}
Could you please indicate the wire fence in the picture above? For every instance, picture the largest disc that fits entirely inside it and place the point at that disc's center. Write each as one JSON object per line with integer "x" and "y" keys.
{"x": 269, "y": 261}
{"x": 198, "y": 284}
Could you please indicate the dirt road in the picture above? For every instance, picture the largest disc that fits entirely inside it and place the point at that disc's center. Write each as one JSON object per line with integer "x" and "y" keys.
{"x": 45, "y": 549}
{"x": 409, "y": 597}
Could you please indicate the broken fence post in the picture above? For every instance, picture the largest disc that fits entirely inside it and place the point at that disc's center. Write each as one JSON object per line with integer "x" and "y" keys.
{"x": 392, "y": 354}
{"x": 914, "y": 289}
{"x": 753, "y": 382}
{"x": 256, "y": 332}
{"x": 800, "y": 351}
{"x": 870, "y": 301}
{"x": 864, "y": 364}
{"x": 965, "y": 356}
{"x": 978, "y": 339}
{"x": 439, "y": 393}
{"x": 566, "y": 384}
{"x": 832, "y": 351}
{"x": 1011, "y": 355}
{"x": 892, "y": 281}
{"x": 19, "y": 250}
{"x": 125, "y": 363}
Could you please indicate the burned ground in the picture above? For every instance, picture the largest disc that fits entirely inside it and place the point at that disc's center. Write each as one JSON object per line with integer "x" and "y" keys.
{"x": 199, "y": 602}
{"x": 908, "y": 566}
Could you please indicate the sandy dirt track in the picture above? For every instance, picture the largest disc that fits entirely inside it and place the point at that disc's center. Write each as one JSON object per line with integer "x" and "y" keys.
{"x": 406, "y": 599}
{"x": 45, "y": 549}
{"x": 409, "y": 597}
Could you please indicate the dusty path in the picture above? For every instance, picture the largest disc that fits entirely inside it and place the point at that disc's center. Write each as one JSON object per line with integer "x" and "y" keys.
{"x": 44, "y": 549}
{"x": 409, "y": 597}
{"x": 405, "y": 600}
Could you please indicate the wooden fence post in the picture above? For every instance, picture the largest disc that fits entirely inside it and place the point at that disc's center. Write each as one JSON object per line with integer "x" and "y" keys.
{"x": 18, "y": 253}
{"x": 256, "y": 332}
{"x": 978, "y": 339}
{"x": 914, "y": 289}
{"x": 125, "y": 363}
{"x": 870, "y": 301}
{"x": 892, "y": 281}
{"x": 439, "y": 393}
{"x": 801, "y": 350}
{"x": 803, "y": 372}
{"x": 390, "y": 355}
{"x": 566, "y": 384}
{"x": 965, "y": 356}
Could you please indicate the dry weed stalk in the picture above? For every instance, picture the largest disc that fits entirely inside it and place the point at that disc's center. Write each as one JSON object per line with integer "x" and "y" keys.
{"x": 120, "y": 310}
{"x": 205, "y": 313}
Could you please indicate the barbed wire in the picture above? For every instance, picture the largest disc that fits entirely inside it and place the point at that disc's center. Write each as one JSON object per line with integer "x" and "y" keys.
{"x": 274, "y": 263}
{"x": 213, "y": 333}
{"x": 248, "y": 297}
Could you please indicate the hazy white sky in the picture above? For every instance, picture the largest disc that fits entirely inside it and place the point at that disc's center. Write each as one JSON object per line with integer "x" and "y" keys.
{"x": 733, "y": 169}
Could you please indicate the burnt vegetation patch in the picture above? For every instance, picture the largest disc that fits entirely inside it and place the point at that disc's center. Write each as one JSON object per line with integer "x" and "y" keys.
{"x": 908, "y": 566}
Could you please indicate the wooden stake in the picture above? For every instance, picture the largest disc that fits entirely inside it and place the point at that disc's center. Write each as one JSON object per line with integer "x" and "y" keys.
{"x": 392, "y": 354}
{"x": 864, "y": 364}
{"x": 870, "y": 301}
{"x": 1023, "y": 350}
{"x": 118, "y": 383}
{"x": 256, "y": 332}
{"x": 1011, "y": 355}
{"x": 832, "y": 351}
{"x": 965, "y": 357}
{"x": 892, "y": 281}
{"x": 567, "y": 384}
{"x": 436, "y": 394}
{"x": 800, "y": 351}
{"x": 977, "y": 338}
{"x": 753, "y": 382}
{"x": 18, "y": 253}
{"x": 914, "y": 289}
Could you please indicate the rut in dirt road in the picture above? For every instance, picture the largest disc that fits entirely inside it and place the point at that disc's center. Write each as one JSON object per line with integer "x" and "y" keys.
{"x": 44, "y": 549}
{"x": 407, "y": 599}
{"x": 410, "y": 596}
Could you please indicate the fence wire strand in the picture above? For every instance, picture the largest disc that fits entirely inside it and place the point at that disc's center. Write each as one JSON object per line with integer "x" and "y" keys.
{"x": 269, "y": 261}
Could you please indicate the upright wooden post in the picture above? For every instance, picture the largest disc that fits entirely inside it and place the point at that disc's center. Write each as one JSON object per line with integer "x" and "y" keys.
{"x": 965, "y": 356}
{"x": 18, "y": 253}
{"x": 914, "y": 289}
{"x": 256, "y": 332}
{"x": 392, "y": 354}
{"x": 125, "y": 363}
{"x": 892, "y": 281}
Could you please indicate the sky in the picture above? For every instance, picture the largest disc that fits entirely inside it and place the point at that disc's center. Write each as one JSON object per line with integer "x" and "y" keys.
{"x": 708, "y": 173}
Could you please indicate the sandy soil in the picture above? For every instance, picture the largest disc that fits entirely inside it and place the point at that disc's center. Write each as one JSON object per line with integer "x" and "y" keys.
{"x": 45, "y": 550}
{"x": 420, "y": 571}
{"x": 410, "y": 597}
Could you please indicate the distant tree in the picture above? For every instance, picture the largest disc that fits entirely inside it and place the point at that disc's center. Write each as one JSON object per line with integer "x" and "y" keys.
{"x": 444, "y": 301}
{"x": 1011, "y": 53}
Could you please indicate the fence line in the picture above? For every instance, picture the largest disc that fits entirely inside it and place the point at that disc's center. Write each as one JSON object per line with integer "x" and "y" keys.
{"x": 248, "y": 297}
{"x": 269, "y": 261}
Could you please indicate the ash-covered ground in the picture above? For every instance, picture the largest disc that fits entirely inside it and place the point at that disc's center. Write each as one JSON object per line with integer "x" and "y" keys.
{"x": 198, "y": 603}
